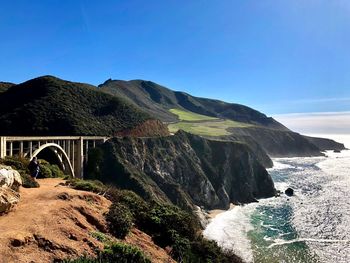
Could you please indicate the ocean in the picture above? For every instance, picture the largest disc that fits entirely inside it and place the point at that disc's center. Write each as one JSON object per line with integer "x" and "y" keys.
{"x": 311, "y": 226}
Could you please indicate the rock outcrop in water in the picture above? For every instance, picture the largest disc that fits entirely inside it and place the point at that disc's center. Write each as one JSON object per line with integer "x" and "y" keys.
{"x": 183, "y": 169}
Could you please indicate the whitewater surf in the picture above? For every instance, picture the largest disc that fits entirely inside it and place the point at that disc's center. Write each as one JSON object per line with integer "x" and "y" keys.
{"x": 311, "y": 226}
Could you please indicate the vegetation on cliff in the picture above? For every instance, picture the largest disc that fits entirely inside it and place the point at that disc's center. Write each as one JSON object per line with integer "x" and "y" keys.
{"x": 51, "y": 106}
{"x": 169, "y": 226}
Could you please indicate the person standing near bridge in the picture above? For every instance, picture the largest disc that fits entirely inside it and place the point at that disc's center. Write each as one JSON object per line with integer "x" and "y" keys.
{"x": 34, "y": 168}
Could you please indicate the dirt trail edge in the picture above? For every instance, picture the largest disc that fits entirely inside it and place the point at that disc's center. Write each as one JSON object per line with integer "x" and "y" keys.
{"x": 54, "y": 222}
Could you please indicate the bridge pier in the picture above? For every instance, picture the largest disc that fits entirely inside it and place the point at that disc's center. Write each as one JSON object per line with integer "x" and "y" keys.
{"x": 79, "y": 159}
{"x": 2, "y": 147}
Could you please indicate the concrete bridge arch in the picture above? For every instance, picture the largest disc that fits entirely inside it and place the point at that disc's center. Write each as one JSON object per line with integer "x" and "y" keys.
{"x": 60, "y": 154}
{"x": 72, "y": 151}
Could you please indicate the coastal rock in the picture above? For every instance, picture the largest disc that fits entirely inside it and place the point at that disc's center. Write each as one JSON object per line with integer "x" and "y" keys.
{"x": 8, "y": 198}
{"x": 289, "y": 191}
{"x": 183, "y": 169}
{"x": 9, "y": 178}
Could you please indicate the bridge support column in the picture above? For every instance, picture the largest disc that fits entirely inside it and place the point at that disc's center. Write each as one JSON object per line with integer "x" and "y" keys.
{"x": 2, "y": 147}
{"x": 79, "y": 159}
{"x": 30, "y": 150}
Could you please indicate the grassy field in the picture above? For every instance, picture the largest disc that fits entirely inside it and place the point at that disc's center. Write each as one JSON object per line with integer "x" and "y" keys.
{"x": 191, "y": 116}
{"x": 208, "y": 128}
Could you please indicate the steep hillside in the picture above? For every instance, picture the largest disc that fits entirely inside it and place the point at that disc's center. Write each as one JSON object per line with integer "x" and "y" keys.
{"x": 217, "y": 119}
{"x": 183, "y": 169}
{"x": 325, "y": 144}
{"x": 158, "y": 100}
{"x": 51, "y": 106}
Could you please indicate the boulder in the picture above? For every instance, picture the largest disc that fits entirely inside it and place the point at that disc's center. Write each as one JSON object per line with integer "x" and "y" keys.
{"x": 9, "y": 178}
{"x": 8, "y": 198}
{"x": 289, "y": 191}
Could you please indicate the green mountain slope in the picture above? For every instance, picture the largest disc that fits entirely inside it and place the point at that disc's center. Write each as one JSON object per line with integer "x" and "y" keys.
{"x": 216, "y": 119}
{"x": 51, "y": 106}
{"x": 159, "y": 100}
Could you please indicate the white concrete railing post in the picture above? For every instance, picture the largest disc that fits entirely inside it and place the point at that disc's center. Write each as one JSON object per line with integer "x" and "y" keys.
{"x": 2, "y": 147}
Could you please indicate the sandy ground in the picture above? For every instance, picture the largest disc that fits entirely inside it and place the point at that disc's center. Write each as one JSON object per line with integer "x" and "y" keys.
{"x": 215, "y": 212}
{"x": 55, "y": 222}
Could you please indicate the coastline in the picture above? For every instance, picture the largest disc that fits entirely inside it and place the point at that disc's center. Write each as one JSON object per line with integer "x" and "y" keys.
{"x": 211, "y": 214}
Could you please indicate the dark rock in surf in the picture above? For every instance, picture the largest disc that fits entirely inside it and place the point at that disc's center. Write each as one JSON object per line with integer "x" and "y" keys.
{"x": 289, "y": 191}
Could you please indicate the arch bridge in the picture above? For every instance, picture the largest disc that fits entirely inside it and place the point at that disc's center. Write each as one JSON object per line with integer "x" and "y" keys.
{"x": 71, "y": 151}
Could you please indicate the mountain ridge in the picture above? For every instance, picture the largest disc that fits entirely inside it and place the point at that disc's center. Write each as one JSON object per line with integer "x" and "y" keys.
{"x": 51, "y": 106}
{"x": 276, "y": 139}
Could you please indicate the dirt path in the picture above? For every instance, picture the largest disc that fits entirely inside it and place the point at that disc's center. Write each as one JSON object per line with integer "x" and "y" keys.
{"x": 56, "y": 222}
{"x": 51, "y": 222}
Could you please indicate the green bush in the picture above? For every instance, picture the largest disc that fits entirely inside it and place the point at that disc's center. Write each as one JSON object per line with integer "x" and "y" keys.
{"x": 45, "y": 171}
{"x": 124, "y": 253}
{"x": 86, "y": 185}
{"x": 119, "y": 220}
{"x": 164, "y": 218}
{"x": 102, "y": 237}
{"x": 181, "y": 247}
{"x": 28, "y": 182}
{"x": 116, "y": 253}
{"x": 56, "y": 171}
{"x": 16, "y": 162}
{"x": 137, "y": 206}
{"x": 204, "y": 250}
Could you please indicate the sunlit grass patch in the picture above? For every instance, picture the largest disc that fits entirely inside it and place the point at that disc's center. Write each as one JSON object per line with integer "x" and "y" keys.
{"x": 191, "y": 116}
{"x": 208, "y": 128}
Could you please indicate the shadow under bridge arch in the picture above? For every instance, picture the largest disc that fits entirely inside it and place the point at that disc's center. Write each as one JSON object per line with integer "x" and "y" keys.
{"x": 60, "y": 154}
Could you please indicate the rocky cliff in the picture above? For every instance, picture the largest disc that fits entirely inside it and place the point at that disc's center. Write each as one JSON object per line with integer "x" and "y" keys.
{"x": 277, "y": 143}
{"x": 325, "y": 144}
{"x": 183, "y": 169}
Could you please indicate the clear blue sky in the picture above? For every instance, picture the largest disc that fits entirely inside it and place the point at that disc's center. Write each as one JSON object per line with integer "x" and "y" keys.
{"x": 277, "y": 56}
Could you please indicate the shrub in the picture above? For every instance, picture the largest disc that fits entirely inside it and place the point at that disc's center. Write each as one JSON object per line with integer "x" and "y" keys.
{"x": 28, "y": 182}
{"x": 56, "y": 171}
{"x": 181, "y": 247}
{"x": 16, "y": 162}
{"x": 124, "y": 253}
{"x": 45, "y": 171}
{"x": 204, "y": 250}
{"x": 163, "y": 218}
{"x": 116, "y": 253}
{"x": 135, "y": 204}
{"x": 119, "y": 220}
{"x": 86, "y": 185}
{"x": 102, "y": 237}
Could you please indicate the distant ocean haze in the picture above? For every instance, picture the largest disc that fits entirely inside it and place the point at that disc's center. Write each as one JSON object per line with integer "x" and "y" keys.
{"x": 332, "y": 125}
